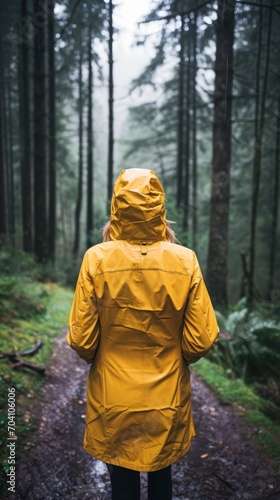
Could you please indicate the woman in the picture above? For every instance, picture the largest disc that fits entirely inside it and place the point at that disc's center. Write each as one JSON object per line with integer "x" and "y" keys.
{"x": 141, "y": 313}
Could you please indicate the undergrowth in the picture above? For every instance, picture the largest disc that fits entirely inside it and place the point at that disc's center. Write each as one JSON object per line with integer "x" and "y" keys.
{"x": 29, "y": 311}
{"x": 245, "y": 402}
{"x": 249, "y": 348}
{"x": 243, "y": 368}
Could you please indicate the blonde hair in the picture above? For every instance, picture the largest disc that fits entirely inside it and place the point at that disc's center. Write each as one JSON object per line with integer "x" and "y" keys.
{"x": 170, "y": 234}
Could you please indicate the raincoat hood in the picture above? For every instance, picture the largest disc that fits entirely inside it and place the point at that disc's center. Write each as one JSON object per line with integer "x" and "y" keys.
{"x": 138, "y": 207}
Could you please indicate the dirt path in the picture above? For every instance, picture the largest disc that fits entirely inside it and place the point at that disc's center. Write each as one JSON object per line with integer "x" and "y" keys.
{"x": 223, "y": 462}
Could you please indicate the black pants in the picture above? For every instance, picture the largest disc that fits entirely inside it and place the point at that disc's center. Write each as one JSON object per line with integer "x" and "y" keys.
{"x": 126, "y": 484}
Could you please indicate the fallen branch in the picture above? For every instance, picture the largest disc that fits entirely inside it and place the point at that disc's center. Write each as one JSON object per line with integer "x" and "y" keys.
{"x": 14, "y": 357}
{"x": 32, "y": 366}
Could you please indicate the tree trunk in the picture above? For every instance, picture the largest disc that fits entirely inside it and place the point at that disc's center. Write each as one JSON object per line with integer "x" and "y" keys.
{"x": 5, "y": 145}
{"x": 90, "y": 148}
{"x": 219, "y": 205}
{"x": 10, "y": 128}
{"x": 194, "y": 138}
{"x": 275, "y": 206}
{"x": 25, "y": 154}
{"x": 180, "y": 134}
{"x": 3, "y": 199}
{"x": 62, "y": 204}
{"x": 258, "y": 144}
{"x": 52, "y": 131}
{"x": 187, "y": 139}
{"x": 111, "y": 109}
{"x": 80, "y": 172}
{"x": 40, "y": 206}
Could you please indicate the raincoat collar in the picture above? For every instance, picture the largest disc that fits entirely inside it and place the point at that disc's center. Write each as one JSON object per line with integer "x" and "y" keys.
{"x": 137, "y": 208}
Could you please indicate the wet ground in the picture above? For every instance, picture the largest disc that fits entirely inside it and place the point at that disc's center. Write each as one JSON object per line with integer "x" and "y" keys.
{"x": 223, "y": 463}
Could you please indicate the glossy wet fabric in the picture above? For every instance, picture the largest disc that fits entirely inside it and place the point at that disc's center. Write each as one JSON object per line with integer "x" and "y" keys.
{"x": 141, "y": 313}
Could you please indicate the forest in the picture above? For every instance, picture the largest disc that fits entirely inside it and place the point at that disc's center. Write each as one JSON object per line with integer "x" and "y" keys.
{"x": 202, "y": 110}
{"x": 205, "y": 116}
{"x": 209, "y": 127}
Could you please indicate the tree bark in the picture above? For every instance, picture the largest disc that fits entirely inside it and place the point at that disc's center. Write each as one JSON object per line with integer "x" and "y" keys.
{"x": 186, "y": 203}
{"x": 180, "y": 133}
{"x": 258, "y": 145}
{"x": 194, "y": 139}
{"x": 52, "y": 132}
{"x": 6, "y": 144}
{"x": 275, "y": 205}
{"x": 80, "y": 172}
{"x": 25, "y": 154}
{"x": 217, "y": 263}
{"x": 90, "y": 147}
{"x": 40, "y": 205}
{"x": 111, "y": 109}
{"x": 3, "y": 180}
{"x": 11, "y": 176}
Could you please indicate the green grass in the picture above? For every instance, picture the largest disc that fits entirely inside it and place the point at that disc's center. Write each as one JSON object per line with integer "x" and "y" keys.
{"x": 36, "y": 312}
{"x": 245, "y": 402}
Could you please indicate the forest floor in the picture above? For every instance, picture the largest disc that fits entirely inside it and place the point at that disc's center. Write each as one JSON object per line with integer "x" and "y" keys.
{"x": 223, "y": 463}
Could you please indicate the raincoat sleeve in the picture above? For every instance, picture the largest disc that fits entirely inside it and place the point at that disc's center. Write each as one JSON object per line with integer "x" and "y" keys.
{"x": 84, "y": 331}
{"x": 200, "y": 329}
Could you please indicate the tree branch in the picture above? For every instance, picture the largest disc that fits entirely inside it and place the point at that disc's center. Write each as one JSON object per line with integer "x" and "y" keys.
{"x": 69, "y": 20}
{"x": 181, "y": 14}
{"x": 198, "y": 7}
{"x": 255, "y": 4}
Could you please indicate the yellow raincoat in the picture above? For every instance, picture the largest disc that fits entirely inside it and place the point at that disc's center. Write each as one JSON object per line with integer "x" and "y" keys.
{"x": 141, "y": 313}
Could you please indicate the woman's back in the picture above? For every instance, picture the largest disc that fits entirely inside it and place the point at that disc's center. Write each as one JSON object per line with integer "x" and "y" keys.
{"x": 141, "y": 313}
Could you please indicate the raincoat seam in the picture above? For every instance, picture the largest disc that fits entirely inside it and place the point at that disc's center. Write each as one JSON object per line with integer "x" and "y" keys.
{"x": 93, "y": 270}
{"x": 183, "y": 265}
{"x": 142, "y": 269}
{"x": 206, "y": 324}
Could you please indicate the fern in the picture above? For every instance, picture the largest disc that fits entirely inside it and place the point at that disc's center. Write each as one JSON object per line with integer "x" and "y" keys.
{"x": 236, "y": 318}
{"x": 249, "y": 344}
